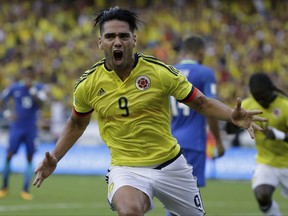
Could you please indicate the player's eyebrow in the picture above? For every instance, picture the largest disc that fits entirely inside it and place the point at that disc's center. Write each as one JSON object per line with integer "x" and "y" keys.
{"x": 121, "y": 34}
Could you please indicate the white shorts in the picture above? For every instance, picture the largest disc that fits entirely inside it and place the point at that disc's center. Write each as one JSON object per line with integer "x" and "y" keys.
{"x": 173, "y": 185}
{"x": 265, "y": 174}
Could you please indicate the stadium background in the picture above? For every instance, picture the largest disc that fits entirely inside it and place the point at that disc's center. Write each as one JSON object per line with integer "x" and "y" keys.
{"x": 58, "y": 39}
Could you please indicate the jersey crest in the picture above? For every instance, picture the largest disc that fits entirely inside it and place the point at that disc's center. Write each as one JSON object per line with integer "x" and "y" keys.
{"x": 143, "y": 83}
{"x": 276, "y": 112}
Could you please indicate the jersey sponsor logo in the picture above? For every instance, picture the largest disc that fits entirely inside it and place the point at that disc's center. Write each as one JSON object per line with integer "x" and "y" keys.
{"x": 143, "y": 83}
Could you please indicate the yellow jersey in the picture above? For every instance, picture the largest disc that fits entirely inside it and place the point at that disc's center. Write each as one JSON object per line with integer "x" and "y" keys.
{"x": 134, "y": 115}
{"x": 271, "y": 152}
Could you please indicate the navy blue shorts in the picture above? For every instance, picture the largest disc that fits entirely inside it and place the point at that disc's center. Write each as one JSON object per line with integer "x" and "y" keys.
{"x": 198, "y": 160}
{"x": 25, "y": 136}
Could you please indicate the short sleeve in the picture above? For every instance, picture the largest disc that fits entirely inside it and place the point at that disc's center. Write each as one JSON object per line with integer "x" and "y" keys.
{"x": 175, "y": 83}
{"x": 80, "y": 100}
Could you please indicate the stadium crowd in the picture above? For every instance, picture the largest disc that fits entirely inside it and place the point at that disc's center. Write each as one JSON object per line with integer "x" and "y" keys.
{"x": 55, "y": 37}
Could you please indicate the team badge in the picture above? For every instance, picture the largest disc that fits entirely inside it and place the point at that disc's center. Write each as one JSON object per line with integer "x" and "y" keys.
{"x": 143, "y": 83}
{"x": 276, "y": 112}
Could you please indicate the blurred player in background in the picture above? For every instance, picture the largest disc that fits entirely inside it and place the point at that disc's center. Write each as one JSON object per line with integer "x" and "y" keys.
{"x": 188, "y": 126}
{"x": 272, "y": 145}
{"x": 130, "y": 94}
{"x": 22, "y": 101}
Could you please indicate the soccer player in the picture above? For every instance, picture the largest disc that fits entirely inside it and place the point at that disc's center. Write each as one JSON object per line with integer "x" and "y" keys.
{"x": 130, "y": 94}
{"x": 27, "y": 97}
{"x": 188, "y": 126}
{"x": 272, "y": 146}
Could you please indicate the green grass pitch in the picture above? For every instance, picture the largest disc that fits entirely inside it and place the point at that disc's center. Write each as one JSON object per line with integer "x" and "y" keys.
{"x": 86, "y": 195}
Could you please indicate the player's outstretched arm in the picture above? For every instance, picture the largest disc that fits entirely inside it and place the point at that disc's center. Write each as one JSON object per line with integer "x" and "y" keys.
{"x": 238, "y": 116}
{"x": 74, "y": 128}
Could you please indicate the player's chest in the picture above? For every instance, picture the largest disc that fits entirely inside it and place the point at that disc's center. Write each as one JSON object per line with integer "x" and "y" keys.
{"x": 276, "y": 117}
{"x": 22, "y": 98}
{"x": 135, "y": 95}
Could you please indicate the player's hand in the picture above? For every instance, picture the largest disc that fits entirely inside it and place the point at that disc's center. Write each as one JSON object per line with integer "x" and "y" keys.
{"x": 33, "y": 91}
{"x": 220, "y": 149}
{"x": 273, "y": 133}
{"x": 45, "y": 169}
{"x": 246, "y": 118}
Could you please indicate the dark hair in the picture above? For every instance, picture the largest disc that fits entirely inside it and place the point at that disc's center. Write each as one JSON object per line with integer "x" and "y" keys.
{"x": 261, "y": 81}
{"x": 115, "y": 13}
{"x": 193, "y": 44}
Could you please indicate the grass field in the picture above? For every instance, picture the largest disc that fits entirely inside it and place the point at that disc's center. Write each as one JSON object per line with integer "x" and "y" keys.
{"x": 86, "y": 195}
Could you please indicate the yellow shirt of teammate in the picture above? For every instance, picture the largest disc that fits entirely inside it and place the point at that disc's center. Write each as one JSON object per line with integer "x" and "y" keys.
{"x": 271, "y": 152}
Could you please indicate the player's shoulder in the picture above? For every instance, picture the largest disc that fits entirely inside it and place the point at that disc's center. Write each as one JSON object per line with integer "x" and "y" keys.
{"x": 16, "y": 85}
{"x": 206, "y": 70}
{"x": 92, "y": 70}
{"x": 149, "y": 59}
{"x": 282, "y": 98}
{"x": 95, "y": 67}
{"x": 40, "y": 85}
{"x": 197, "y": 69}
{"x": 156, "y": 63}
{"x": 248, "y": 100}
{"x": 203, "y": 73}
{"x": 249, "y": 103}
{"x": 281, "y": 102}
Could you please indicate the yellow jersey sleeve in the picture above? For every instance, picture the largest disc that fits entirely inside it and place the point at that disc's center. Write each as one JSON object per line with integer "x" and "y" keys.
{"x": 176, "y": 84}
{"x": 80, "y": 99}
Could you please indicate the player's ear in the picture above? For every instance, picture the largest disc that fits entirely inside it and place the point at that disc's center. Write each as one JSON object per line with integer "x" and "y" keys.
{"x": 135, "y": 41}
{"x": 100, "y": 44}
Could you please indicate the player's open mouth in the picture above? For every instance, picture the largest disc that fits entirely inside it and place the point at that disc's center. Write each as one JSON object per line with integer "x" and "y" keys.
{"x": 118, "y": 55}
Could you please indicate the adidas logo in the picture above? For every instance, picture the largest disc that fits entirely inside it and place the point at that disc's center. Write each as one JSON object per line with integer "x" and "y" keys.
{"x": 101, "y": 92}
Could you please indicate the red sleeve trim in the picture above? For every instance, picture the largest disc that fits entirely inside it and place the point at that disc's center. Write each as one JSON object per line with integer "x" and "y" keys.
{"x": 190, "y": 96}
{"x": 81, "y": 114}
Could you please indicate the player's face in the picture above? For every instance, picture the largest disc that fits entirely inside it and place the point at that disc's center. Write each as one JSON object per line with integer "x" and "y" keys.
{"x": 117, "y": 41}
{"x": 264, "y": 97}
{"x": 28, "y": 77}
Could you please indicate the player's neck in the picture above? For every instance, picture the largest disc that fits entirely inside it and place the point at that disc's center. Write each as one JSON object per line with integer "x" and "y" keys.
{"x": 190, "y": 57}
{"x": 125, "y": 72}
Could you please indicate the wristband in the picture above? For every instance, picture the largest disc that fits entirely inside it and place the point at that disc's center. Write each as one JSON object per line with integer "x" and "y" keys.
{"x": 279, "y": 135}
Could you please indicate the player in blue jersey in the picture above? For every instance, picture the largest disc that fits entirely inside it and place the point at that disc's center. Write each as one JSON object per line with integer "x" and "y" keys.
{"x": 26, "y": 96}
{"x": 188, "y": 126}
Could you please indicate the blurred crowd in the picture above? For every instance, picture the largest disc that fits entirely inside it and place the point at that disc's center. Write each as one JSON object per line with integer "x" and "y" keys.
{"x": 57, "y": 37}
